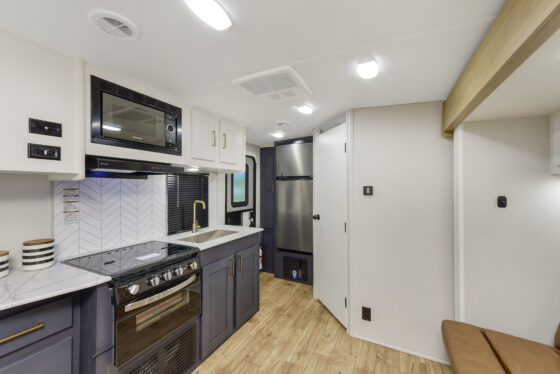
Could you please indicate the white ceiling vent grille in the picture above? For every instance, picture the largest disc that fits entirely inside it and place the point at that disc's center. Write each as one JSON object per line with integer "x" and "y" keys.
{"x": 275, "y": 84}
{"x": 114, "y": 25}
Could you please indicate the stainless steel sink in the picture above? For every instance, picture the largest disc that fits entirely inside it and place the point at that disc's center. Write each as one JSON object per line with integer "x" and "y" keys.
{"x": 207, "y": 236}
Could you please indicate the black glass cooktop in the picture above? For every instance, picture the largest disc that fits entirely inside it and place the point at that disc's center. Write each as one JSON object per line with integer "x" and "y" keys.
{"x": 134, "y": 258}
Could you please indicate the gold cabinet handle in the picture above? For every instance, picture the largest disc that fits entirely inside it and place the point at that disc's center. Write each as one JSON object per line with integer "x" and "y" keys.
{"x": 232, "y": 267}
{"x": 225, "y": 141}
{"x": 214, "y": 136}
{"x": 240, "y": 263}
{"x": 21, "y": 333}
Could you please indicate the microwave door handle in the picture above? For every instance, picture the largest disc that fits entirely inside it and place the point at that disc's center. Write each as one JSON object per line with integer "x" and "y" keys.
{"x": 159, "y": 296}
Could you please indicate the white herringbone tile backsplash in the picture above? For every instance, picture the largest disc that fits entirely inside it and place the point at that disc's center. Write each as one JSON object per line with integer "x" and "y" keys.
{"x": 112, "y": 213}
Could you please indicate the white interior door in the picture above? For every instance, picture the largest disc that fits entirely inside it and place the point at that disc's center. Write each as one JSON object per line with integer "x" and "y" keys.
{"x": 330, "y": 181}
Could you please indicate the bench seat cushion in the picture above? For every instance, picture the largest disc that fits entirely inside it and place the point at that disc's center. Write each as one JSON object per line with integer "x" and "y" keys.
{"x": 521, "y": 356}
{"x": 469, "y": 350}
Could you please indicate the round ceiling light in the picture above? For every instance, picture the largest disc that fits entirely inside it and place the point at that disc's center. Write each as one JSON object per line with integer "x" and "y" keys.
{"x": 368, "y": 69}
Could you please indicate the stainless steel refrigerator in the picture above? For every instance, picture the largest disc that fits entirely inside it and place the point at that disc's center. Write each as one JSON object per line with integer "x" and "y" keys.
{"x": 294, "y": 197}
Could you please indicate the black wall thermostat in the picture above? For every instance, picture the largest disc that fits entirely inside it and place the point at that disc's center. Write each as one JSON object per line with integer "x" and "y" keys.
{"x": 502, "y": 201}
{"x": 368, "y": 190}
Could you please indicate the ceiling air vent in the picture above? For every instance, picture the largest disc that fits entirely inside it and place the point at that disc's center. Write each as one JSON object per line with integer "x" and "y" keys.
{"x": 275, "y": 84}
{"x": 114, "y": 25}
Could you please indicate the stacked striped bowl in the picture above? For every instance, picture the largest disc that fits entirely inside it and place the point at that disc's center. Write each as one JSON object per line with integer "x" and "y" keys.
{"x": 4, "y": 264}
{"x": 37, "y": 254}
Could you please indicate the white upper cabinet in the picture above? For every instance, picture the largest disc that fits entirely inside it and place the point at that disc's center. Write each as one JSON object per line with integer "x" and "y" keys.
{"x": 232, "y": 143}
{"x": 216, "y": 144}
{"x": 204, "y": 136}
{"x": 41, "y": 84}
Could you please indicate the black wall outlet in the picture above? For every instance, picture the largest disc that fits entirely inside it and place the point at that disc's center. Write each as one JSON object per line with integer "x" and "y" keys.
{"x": 366, "y": 313}
{"x": 502, "y": 201}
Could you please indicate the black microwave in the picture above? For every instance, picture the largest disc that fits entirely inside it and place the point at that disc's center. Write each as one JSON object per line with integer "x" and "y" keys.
{"x": 124, "y": 118}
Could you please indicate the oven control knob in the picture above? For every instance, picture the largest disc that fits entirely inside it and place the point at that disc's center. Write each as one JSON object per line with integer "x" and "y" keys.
{"x": 153, "y": 281}
{"x": 179, "y": 271}
{"x": 193, "y": 266}
{"x": 133, "y": 289}
{"x": 167, "y": 275}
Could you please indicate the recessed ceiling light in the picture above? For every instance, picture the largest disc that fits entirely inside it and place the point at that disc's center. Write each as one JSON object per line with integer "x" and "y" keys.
{"x": 210, "y": 12}
{"x": 278, "y": 134}
{"x": 368, "y": 69}
{"x": 304, "y": 109}
{"x": 192, "y": 168}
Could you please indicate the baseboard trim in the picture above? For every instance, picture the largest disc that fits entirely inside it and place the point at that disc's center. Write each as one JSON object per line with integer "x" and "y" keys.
{"x": 402, "y": 350}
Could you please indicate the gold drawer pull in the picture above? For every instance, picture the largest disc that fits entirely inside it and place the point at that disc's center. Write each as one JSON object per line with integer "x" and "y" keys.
{"x": 240, "y": 263}
{"x": 21, "y": 333}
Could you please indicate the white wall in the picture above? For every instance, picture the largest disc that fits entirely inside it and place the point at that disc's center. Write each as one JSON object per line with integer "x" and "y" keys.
{"x": 401, "y": 238}
{"x": 511, "y": 256}
{"x": 25, "y": 212}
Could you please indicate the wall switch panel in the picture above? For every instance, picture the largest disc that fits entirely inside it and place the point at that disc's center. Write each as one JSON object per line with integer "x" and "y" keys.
{"x": 40, "y": 127}
{"x": 45, "y": 152}
{"x": 366, "y": 314}
{"x": 368, "y": 190}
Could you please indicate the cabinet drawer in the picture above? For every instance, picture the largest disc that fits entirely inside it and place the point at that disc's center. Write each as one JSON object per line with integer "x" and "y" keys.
{"x": 55, "y": 359}
{"x": 27, "y": 327}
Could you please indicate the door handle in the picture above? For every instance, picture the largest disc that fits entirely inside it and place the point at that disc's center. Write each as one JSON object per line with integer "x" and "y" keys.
{"x": 214, "y": 135}
{"x": 240, "y": 263}
{"x": 316, "y": 217}
{"x": 233, "y": 267}
{"x": 225, "y": 141}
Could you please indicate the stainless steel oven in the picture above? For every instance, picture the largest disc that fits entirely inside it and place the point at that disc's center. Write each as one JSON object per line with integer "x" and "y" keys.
{"x": 142, "y": 322}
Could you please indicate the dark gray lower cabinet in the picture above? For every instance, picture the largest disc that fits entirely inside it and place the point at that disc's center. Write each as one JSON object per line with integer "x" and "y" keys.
{"x": 217, "y": 304}
{"x": 41, "y": 338}
{"x": 230, "y": 290}
{"x": 246, "y": 285}
{"x": 54, "y": 359}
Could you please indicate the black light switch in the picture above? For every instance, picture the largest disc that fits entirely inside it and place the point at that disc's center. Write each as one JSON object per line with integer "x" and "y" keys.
{"x": 368, "y": 190}
{"x": 366, "y": 313}
{"x": 37, "y": 126}
{"x": 502, "y": 201}
{"x": 45, "y": 152}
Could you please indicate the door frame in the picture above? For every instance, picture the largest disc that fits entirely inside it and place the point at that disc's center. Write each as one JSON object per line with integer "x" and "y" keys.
{"x": 349, "y": 120}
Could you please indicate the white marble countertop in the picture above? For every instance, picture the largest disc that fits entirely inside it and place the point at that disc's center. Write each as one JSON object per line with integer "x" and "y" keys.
{"x": 24, "y": 287}
{"x": 241, "y": 231}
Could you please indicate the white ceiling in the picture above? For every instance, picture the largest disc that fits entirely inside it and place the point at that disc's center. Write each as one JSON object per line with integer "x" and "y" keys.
{"x": 532, "y": 90}
{"x": 422, "y": 47}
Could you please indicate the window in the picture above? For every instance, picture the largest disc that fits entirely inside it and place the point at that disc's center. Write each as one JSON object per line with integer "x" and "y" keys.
{"x": 239, "y": 188}
{"x": 182, "y": 191}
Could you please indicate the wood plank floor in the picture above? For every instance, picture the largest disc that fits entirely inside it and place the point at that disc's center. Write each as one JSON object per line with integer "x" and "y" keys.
{"x": 294, "y": 333}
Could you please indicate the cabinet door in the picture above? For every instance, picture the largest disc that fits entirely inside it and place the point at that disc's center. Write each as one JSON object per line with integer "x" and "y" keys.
{"x": 217, "y": 304}
{"x": 54, "y": 359}
{"x": 232, "y": 149}
{"x": 204, "y": 136}
{"x": 246, "y": 285}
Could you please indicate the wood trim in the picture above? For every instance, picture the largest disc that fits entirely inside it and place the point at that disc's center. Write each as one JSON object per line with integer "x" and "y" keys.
{"x": 4, "y": 253}
{"x": 520, "y": 28}
{"x": 38, "y": 242}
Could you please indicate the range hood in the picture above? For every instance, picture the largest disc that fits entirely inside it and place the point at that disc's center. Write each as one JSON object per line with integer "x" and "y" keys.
{"x": 106, "y": 167}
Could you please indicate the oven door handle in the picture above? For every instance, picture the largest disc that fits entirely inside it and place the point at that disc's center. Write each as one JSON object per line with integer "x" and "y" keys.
{"x": 159, "y": 296}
